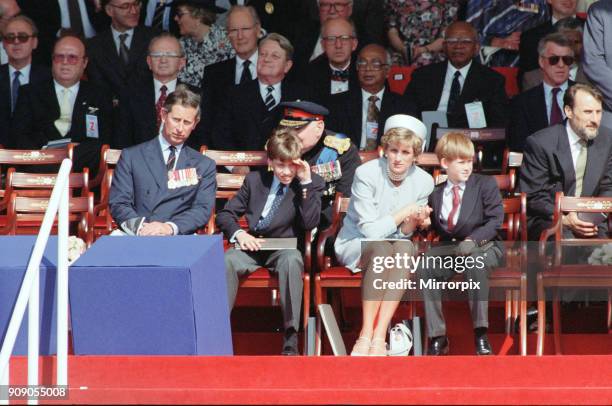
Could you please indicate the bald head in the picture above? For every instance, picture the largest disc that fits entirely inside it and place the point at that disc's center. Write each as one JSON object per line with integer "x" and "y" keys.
{"x": 372, "y": 68}
{"x": 460, "y": 43}
{"x": 8, "y": 9}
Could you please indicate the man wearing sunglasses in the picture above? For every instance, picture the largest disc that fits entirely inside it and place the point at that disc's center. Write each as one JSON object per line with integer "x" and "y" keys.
{"x": 117, "y": 56}
{"x": 19, "y": 40}
{"x": 8, "y": 10}
{"x": 541, "y": 106}
{"x": 64, "y": 109}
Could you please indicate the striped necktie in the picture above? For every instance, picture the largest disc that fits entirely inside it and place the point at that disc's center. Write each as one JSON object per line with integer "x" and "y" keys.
{"x": 270, "y": 101}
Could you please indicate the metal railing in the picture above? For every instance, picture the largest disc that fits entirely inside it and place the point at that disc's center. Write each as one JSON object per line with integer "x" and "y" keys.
{"x": 30, "y": 289}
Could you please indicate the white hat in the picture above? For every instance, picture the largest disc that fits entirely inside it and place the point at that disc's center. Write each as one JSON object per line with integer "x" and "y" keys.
{"x": 408, "y": 122}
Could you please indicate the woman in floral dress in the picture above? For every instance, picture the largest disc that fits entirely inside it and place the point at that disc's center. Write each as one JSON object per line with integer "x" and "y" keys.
{"x": 204, "y": 41}
{"x": 415, "y": 29}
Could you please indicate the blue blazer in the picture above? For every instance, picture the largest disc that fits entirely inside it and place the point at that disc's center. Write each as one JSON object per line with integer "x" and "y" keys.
{"x": 140, "y": 188}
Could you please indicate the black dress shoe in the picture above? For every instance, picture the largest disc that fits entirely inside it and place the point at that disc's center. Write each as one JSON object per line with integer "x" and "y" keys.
{"x": 290, "y": 343}
{"x": 532, "y": 321}
{"x": 438, "y": 346}
{"x": 482, "y": 345}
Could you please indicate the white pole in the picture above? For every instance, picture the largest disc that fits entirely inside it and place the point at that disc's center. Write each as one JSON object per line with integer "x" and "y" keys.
{"x": 4, "y": 381}
{"x": 33, "y": 266}
{"x": 62, "y": 287}
{"x": 34, "y": 331}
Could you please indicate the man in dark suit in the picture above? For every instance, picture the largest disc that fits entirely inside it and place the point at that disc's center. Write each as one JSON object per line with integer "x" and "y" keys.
{"x": 574, "y": 158}
{"x": 53, "y": 16}
{"x": 19, "y": 38}
{"x": 64, "y": 109}
{"x": 540, "y": 106}
{"x": 449, "y": 86}
{"x": 308, "y": 44}
{"x": 159, "y": 15}
{"x": 162, "y": 186}
{"x": 140, "y": 110}
{"x": 334, "y": 72}
{"x": 117, "y": 56}
{"x": 528, "y": 48}
{"x": 244, "y": 30}
{"x": 283, "y": 203}
{"x": 361, "y": 113}
{"x": 467, "y": 213}
{"x": 250, "y": 111}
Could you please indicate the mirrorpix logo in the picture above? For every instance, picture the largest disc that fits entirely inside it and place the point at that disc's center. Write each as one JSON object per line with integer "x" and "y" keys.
{"x": 410, "y": 263}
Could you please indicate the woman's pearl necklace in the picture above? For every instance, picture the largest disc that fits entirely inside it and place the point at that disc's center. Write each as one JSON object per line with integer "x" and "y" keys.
{"x": 396, "y": 177}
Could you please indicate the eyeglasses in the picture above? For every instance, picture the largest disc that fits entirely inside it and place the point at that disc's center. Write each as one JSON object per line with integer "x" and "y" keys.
{"x": 127, "y": 6}
{"x": 553, "y": 60}
{"x": 459, "y": 41}
{"x": 18, "y": 38}
{"x": 233, "y": 32}
{"x": 70, "y": 59}
{"x": 339, "y": 7}
{"x": 180, "y": 14}
{"x": 376, "y": 65}
{"x": 331, "y": 39}
{"x": 165, "y": 54}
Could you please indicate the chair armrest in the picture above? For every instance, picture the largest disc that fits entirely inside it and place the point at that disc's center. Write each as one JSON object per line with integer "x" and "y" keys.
{"x": 308, "y": 252}
{"x": 324, "y": 236}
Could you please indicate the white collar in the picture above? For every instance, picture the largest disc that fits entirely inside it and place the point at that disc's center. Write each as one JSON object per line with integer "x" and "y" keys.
{"x": 252, "y": 58}
{"x": 25, "y": 71}
{"x": 449, "y": 186}
{"x": 170, "y": 86}
{"x": 165, "y": 144}
{"x": 333, "y": 68}
{"x": 116, "y": 33}
{"x": 548, "y": 88}
{"x": 572, "y": 137}
{"x": 74, "y": 89}
{"x": 464, "y": 71}
{"x": 366, "y": 94}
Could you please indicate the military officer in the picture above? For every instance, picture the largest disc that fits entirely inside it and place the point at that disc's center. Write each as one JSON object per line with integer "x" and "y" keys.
{"x": 331, "y": 155}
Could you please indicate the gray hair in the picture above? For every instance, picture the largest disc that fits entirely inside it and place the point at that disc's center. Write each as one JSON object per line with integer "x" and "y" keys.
{"x": 249, "y": 9}
{"x": 348, "y": 20}
{"x": 282, "y": 41}
{"x": 169, "y": 36}
{"x": 25, "y": 19}
{"x": 556, "y": 38}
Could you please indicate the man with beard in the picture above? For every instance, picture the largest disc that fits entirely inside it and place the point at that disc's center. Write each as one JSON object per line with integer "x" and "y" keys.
{"x": 574, "y": 158}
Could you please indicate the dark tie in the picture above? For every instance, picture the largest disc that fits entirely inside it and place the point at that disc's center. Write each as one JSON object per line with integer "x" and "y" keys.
{"x": 555, "y": 112}
{"x": 246, "y": 72}
{"x": 264, "y": 222}
{"x": 74, "y": 13}
{"x": 340, "y": 75}
{"x": 171, "y": 158}
{"x": 158, "y": 16}
{"x": 123, "y": 49}
{"x": 270, "y": 101}
{"x": 160, "y": 103}
{"x": 372, "y": 117}
{"x": 15, "y": 90}
{"x": 450, "y": 222}
{"x": 455, "y": 91}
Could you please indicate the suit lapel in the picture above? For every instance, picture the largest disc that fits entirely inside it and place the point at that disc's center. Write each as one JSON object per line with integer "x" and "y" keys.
{"x": 154, "y": 159}
{"x": 468, "y": 202}
{"x": 470, "y": 86}
{"x": 596, "y": 157}
{"x": 5, "y": 84}
{"x": 437, "y": 202}
{"x": 564, "y": 157}
{"x": 437, "y": 84}
{"x": 538, "y": 106}
{"x": 110, "y": 52}
{"x": 260, "y": 202}
{"x": 355, "y": 104}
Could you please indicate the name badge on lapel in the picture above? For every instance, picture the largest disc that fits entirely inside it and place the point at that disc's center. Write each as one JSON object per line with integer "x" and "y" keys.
{"x": 91, "y": 122}
{"x": 182, "y": 177}
{"x": 475, "y": 115}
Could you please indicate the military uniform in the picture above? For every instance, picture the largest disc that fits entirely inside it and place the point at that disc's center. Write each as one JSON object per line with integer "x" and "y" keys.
{"x": 335, "y": 158}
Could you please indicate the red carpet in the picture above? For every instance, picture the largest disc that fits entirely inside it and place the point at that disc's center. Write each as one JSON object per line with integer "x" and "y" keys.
{"x": 567, "y": 380}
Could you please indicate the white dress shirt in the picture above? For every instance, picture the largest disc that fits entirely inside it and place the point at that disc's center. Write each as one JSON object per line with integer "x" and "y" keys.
{"x": 548, "y": 98}
{"x": 263, "y": 90}
{"x": 447, "y": 201}
{"x": 3, "y": 55}
{"x": 170, "y": 87}
{"x": 240, "y": 67}
{"x": 364, "y": 113}
{"x": 128, "y": 39}
{"x": 88, "y": 29}
{"x": 74, "y": 90}
{"x": 337, "y": 86}
{"x": 574, "y": 143}
{"x": 448, "y": 82}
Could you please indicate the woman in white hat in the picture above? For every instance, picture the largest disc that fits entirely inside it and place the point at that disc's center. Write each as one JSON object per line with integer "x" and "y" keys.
{"x": 389, "y": 201}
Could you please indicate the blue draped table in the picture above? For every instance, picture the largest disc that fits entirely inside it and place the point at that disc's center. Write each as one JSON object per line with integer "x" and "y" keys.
{"x": 151, "y": 296}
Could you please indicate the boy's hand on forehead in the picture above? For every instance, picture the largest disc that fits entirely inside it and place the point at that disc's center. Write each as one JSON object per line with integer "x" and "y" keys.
{"x": 302, "y": 170}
